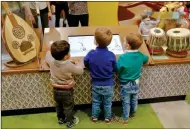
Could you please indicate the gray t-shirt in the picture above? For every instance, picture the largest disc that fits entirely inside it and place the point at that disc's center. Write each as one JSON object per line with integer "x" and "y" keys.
{"x": 62, "y": 71}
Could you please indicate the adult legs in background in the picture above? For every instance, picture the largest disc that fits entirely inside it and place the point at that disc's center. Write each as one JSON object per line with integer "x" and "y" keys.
{"x": 84, "y": 19}
{"x": 34, "y": 13}
{"x": 96, "y": 102}
{"x": 134, "y": 102}
{"x": 57, "y": 15}
{"x": 73, "y": 20}
{"x": 44, "y": 20}
{"x": 107, "y": 101}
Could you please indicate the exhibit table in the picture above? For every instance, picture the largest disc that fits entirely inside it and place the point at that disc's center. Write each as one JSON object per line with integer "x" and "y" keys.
{"x": 29, "y": 87}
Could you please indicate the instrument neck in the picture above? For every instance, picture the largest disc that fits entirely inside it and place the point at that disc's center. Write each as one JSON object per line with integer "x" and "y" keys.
{"x": 9, "y": 14}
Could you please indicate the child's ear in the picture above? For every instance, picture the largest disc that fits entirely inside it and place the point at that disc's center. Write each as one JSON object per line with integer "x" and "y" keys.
{"x": 67, "y": 57}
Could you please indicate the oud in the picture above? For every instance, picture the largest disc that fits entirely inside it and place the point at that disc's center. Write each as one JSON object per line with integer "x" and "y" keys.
{"x": 20, "y": 39}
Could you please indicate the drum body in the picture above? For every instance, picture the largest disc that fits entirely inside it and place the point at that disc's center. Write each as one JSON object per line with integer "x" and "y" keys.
{"x": 156, "y": 40}
{"x": 178, "y": 42}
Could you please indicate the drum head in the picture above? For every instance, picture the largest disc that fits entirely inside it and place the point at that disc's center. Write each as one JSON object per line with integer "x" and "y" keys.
{"x": 157, "y": 32}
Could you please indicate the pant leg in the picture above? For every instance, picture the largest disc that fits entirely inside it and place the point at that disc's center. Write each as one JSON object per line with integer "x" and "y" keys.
{"x": 96, "y": 102}
{"x": 57, "y": 19}
{"x": 68, "y": 104}
{"x": 84, "y": 19}
{"x": 44, "y": 18}
{"x": 73, "y": 20}
{"x": 125, "y": 97}
{"x": 107, "y": 101}
{"x": 134, "y": 103}
{"x": 34, "y": 13}
{"x": 59, "y": 105}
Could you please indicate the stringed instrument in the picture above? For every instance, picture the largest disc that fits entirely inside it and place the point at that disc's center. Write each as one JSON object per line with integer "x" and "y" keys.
{"x": 20, "y": 39}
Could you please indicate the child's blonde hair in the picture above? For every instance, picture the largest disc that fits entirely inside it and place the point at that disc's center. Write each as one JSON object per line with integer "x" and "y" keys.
{"x": 134, "y": 40}
{"x": 103, "y": 37}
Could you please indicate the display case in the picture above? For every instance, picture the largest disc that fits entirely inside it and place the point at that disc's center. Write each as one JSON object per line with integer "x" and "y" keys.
{"x": 29, "y": 87}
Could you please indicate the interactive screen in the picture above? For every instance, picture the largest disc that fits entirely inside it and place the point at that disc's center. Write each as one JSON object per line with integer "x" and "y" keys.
{"x": 81, "y": 45}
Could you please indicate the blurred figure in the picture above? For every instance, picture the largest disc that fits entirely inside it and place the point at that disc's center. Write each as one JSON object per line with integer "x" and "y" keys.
{"x": 78, "y": 11}
{"x": 61, "y": 9}
{"x": 42, "y": 8}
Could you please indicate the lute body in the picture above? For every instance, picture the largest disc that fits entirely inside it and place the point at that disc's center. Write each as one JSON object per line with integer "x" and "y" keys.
{"x": 20, "y": 39}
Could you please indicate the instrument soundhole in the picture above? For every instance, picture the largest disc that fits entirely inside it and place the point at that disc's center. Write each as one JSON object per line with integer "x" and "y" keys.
{"x": 15, "y": 44}
{"x": 30, "y": 38}
{"x": 25, "y": 45}
{"x": 18, "y": 32}
{"x": 176, "y": 31}
{"x": 157, "y": 31}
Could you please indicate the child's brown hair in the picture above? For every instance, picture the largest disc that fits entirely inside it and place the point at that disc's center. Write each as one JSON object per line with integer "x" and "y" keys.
{"x": 103, "y": 37}
{"x": 59, "y": 49}
{"x": 134, "y": 41}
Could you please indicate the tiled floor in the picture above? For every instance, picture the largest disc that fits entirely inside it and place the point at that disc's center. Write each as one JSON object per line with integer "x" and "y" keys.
{"x": 173, "y": 114}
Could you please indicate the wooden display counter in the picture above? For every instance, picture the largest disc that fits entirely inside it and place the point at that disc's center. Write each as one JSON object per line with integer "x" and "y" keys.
{"x": 29, "y": 87}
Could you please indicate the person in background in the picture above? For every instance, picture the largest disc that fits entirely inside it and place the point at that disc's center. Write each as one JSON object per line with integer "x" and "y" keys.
{"x": 45, "y": 13}
{"x": 102, "y": 64}
{"x": 61, "y": 8}
{"x": 62, "y": 69}
{"x": 78, "y": 12}
{"x": 129, "y": 67}
{"x": 147, "y": 23}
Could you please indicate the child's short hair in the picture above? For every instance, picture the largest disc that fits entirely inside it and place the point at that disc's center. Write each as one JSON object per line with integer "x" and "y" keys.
{"x": 103, "y": 37}
{"x": 59, "y": 49}
{"x": 134, "y": 40}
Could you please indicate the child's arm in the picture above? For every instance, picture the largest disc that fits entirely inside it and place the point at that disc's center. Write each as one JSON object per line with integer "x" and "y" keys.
{"x": 145, "y": 59}
{"x": 76, "y": 69}
{"x": 86, "y": 60}
{"x": 114, "y": 63}
{"x": 118, "y": 64}
{"x": 48, "y": 57}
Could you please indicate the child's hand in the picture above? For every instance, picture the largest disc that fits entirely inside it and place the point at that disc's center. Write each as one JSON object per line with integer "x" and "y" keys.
{"x": 74, "y": 62}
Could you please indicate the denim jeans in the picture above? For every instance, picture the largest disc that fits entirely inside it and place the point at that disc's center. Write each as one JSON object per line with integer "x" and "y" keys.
{"x": 129, "y": 96}
{"x": 102, "y": 94}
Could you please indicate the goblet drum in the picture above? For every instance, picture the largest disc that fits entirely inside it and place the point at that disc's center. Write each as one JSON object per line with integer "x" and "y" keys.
{"x": 178, "y": 42}
{"x": 156, "y": 40}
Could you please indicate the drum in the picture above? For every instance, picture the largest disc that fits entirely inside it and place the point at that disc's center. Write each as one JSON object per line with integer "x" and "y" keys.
{"x": 156, "y": 40}
{"x": 178, "y": 42}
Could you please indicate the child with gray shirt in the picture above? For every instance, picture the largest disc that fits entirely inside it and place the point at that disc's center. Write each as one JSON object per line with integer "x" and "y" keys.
{"x": 62, "y": 69}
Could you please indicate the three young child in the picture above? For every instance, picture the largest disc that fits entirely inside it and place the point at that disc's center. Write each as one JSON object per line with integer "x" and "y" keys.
{"x": 102, "y": 64}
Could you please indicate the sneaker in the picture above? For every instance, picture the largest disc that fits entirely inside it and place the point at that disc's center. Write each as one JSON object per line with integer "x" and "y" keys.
{"x": 61, "y": 121}
{"x": 125, "y": 122}
{"x": 107, "y": 121}
{"x": 132, "y": 115}
{"x": 94, "y": 120}
{"x": 74, "y": 122}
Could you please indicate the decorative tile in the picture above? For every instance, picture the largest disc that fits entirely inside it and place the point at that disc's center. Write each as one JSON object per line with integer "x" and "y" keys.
{"x": 33, "y": 90}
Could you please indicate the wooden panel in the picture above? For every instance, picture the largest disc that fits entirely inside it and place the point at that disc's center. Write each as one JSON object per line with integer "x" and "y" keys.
{"x": 54, "y": 34}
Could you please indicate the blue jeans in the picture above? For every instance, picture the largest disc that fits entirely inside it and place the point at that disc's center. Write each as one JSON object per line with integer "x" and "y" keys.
{"x": 129, "y": 98}
{"x": 102, "y": 94}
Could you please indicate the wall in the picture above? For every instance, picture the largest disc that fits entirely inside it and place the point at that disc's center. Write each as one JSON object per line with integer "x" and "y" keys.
{"x": 103, "y": 13}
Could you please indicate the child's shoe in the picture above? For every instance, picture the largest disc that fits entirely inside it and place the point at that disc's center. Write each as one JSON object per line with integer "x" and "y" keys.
{"x": 125, "y": 122}
{"x": 107, "y": 121}
{"x": 74, "y": 122}
{"x": 61, "y": 121}
{"x": 133, "y": 115}
{"x": 94, "y": 120}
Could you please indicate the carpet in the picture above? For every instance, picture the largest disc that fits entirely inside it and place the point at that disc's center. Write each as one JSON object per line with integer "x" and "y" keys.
{"x": 146, "y": 118}
{"x": 188, "y": 98}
